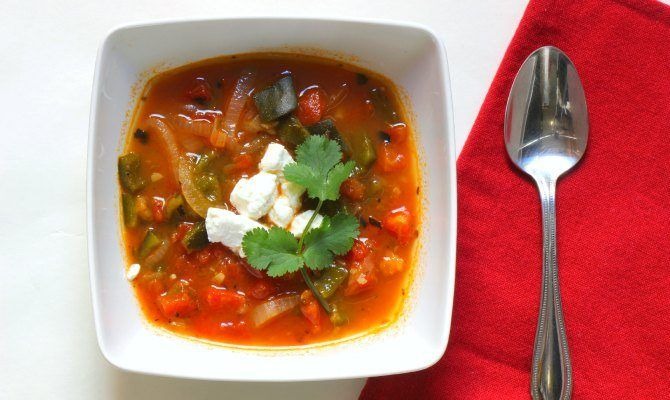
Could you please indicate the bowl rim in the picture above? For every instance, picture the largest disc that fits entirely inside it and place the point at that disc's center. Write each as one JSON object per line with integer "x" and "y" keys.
{"x": 449, "y": 132}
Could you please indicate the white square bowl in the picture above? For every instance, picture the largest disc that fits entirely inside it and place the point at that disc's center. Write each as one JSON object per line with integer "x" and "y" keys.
{"x": 413, "y": 58}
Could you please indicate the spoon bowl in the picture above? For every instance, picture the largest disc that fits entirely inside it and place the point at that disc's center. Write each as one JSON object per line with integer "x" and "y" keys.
{"x": 546, "y": 122}
{"x": 546, "y": 130}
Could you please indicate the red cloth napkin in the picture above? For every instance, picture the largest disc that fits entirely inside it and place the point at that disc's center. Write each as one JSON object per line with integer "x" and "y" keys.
{"x": 613, "y": 222}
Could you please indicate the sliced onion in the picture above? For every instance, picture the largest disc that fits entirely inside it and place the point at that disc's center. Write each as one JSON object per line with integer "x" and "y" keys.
{"x": 194, "y": 197}
{"x": 191, "y": 144}
{"x": 237, "y": 101}
{"x": 157, "y": 255}
{"x": 273, "y": 308}
{"x": 199, "y": 127}
{"x": 167, "y": 136}
{"x": 338, "y": 97}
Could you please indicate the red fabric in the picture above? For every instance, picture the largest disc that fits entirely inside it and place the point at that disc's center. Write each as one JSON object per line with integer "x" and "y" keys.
{"x": 613, "y": 222}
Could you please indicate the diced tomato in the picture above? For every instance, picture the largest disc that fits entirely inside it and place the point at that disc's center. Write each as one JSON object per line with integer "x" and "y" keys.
{"x": 243, "y": 161}
{"x": 158, "y": 209}
{"x": 391, "y": 264}
{"x": 398, "y": 133}
{"x": 312, "y": 311}
{"x": 389, "y": 159}
{"x": 218, "y": 298}
{"x": 201, "y": 91}
{"x": 203, "y": 256}
{"x": 177, "y": 305}
{"x": 358, "y": 251}
{"x": 361, "y": 278}
{"x": 398, "y": 222}
{"x": 262, "y": 289}
{"x": 353, "y": 189}
{"x": 181, "y": 231}
{"x": 311, "y": 105}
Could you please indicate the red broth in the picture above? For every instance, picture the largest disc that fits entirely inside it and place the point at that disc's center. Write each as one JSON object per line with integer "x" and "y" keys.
{"x": 212, "y": 293}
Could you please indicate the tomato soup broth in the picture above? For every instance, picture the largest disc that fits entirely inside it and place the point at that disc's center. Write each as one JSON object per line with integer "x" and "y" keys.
{"x": 210, "y": 117}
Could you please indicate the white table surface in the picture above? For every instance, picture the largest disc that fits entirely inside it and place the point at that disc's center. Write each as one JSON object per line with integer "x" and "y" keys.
{"x": 47, "y": 52}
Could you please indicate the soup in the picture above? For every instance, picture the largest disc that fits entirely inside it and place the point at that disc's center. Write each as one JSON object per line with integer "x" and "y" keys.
{"x": 270, "y": 200}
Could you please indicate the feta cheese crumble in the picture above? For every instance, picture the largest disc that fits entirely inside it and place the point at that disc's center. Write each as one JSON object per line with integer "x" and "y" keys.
{"x": 229, "y": 228}
{"x": 133, "y": 271}
{"x": 300, "y": 222}
{"x": 255, "y": 196}
{"x": 274, "y": 160}
{"x": 281, "y": 213}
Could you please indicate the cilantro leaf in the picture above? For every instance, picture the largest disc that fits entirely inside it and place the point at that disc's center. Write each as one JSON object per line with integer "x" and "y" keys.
{"x": 318, "y": 168}
{"x": 274, "y": 250}
{"x": 333, "y": 237}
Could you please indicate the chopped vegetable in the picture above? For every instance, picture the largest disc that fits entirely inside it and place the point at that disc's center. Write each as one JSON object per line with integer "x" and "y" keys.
{"x": 328, "y": 129}
{"x": 290, "y": 130}
{"x": 209, "y": 186}
{"x": 218, "y": 138}
{"x": 358, "y": 251}
{"x": 383, "y": 105}
{"x": 195, "y": 198}
{"x": 172, "y": 206}
{"x": 167, "y": 136}
{"x": 156, "y": 176}
{"x": 362, "y": 149}
{"x": 196, "y": 238}
{"x": 273, "y": 308}
{"x": 309, "y": 307}
{"x": 205, "y": 161}
{"x": 158, "y": 209}
{"x": 237, "y": 101}
{"x": 353, "y": 188}
{"x": 330, "y": 280}
{"x": 218, "y": 298}
{"x": 398, "y": 223}
{"x": 398, "y": 133}
{"x": 142, "y": 209}
{"x": 200, "y": 92}
{"x": 150, "y": 242}
{"x": 130, "y": 174}
{"x": 337, "y": 316}
{"x": 390, "y": 160}
{"x": 177, "y": 305}
{"x": 276, "y": 100}
{"x": 157, "y": 255}
{"x": 129, "y": 213}
{"x": 361, "y": 278}
{"x": 262, "y": 289}
{"x": 311, "y": 105}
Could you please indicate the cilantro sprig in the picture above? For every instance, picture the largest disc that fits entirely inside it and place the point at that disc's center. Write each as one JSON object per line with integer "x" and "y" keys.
{"x": 319, "y": 169}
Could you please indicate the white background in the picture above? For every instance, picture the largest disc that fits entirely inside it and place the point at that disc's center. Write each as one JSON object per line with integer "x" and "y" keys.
{"x": 47, "y": 53}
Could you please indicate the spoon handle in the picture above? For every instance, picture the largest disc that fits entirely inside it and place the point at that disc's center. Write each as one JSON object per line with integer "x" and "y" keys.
{"x": 551, "y": 372}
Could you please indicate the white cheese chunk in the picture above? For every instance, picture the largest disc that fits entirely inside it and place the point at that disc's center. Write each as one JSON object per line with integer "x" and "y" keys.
{"x": 133, "y": 271}
{"x": 293, "y": 191}
{"x": 228, "y": 228}
{"x": 281, "y": 213}
{"x": 274, "y": 160}
{"x": 300, "y": 222}
{"x": 255, "y": 196}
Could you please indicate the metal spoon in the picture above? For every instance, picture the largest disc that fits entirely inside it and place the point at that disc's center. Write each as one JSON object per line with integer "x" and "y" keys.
{"x": 546, "y": 129}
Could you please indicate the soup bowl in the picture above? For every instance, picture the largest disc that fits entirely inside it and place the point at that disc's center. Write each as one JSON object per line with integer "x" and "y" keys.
{"x": 409, "y": 55}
